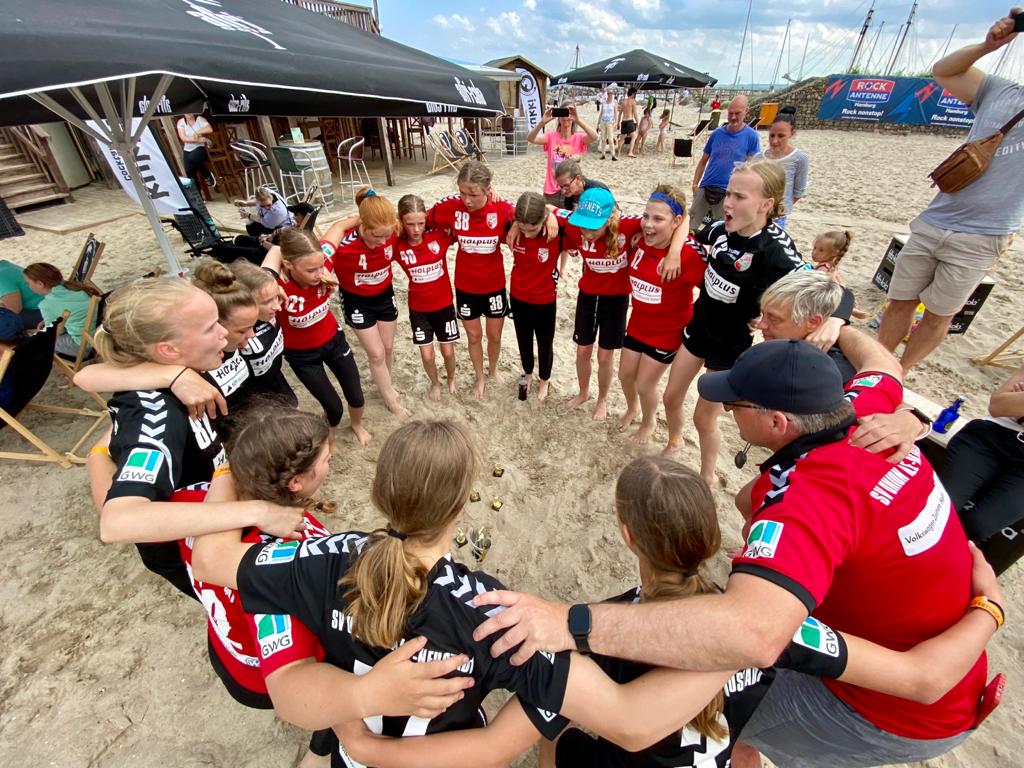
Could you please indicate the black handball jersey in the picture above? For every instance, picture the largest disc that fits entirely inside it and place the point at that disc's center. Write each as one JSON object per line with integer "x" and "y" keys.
{"x": 739, "y": 270}
{"x": 158, "y": 449}
{"x": 301, "y": 579}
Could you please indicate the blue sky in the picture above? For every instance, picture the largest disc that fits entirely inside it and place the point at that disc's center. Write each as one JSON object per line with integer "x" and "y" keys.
{"x": 703, "y": 35}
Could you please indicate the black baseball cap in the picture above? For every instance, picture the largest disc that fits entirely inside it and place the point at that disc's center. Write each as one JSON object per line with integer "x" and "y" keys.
{"x": 780, "y": 375}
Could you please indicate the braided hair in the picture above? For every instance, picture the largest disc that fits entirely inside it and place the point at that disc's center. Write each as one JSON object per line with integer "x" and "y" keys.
{"x": 838, "y": 241}
{"x": 269, "y": 445}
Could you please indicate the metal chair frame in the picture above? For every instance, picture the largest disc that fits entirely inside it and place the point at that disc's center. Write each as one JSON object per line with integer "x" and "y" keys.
{"x": 350, "y": 154}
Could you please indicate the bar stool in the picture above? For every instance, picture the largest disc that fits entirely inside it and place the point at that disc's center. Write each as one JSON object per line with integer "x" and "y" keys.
{"x": 350, "y": 157}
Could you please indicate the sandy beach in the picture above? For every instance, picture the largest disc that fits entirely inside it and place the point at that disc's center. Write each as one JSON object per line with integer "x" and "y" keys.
{"x": 104, "y": 665}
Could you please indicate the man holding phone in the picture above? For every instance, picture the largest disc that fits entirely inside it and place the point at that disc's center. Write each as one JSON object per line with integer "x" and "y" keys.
{"x": 956, "y": 240}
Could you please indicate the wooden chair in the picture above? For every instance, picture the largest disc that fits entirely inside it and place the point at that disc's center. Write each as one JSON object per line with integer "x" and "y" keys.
{"x": 93, "y": 317}
{"x": 442, "y": 157}
{"x": 702, "y": 124}
{"x": 87, "y": 261}
{"x": 467, "y": 144}
{"x": 452, "y": 146}
{"x": 29, "y": 366}
{"x": 417, "y": 137}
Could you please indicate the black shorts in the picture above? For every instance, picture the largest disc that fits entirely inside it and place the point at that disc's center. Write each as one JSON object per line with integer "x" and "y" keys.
{"x": 660, "y": 355}
{"x": 471, "y": 305}
{"x": 718, "y": 350}
{"x": 576, "y": 748}
{"x": 601, "y": 319}
{"x": 365, "y": 311}
{"x": 628, "y": 127}
{"x": 440, "y": 323}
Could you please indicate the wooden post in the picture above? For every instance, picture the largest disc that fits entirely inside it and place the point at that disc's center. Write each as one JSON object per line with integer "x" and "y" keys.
{"x": 385, "y": 151}
{"x": 171, "y": 137}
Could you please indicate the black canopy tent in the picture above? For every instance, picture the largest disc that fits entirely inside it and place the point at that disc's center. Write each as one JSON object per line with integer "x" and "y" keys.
{"x": 109, "y": 61}
{"x": 635, "y": 69}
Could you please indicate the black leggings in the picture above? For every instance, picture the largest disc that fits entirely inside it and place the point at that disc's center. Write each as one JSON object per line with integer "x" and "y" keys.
{"x": 336, "y": 354}
{"x": 984, "y": 475}
{"x": 195, "y": 164}
{"x": 535, "y": 320}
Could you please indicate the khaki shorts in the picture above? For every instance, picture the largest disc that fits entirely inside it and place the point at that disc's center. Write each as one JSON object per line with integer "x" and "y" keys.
{"x": 942, "y": 268}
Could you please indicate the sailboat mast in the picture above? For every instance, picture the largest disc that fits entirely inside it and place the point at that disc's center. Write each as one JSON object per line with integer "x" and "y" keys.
{"x": 863, "y": 34}
{"x": 743, "y": 43}
{"x": 804, "y": 57}
{"x": 782, "y": 49}
{"x": 871, "y": 53}
{"x": 906, "y": 32}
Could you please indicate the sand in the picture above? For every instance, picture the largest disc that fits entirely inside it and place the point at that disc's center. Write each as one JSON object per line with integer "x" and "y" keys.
{"x": 104, "y": 665}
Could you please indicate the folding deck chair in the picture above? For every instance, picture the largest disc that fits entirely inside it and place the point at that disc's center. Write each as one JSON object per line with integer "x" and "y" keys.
{"x": 442, "y": 156}
{"x": 467, "y": 144}
{"x": 93, "y": 318}
{"x": 87, "y": 261}
{"x": 452, "y": 146}
{"x": 29, "y": 365}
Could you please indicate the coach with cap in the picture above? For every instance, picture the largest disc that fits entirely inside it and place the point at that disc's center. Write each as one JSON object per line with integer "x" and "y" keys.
{"x": 572, "y": 183}
{"x": 868, "y": 547}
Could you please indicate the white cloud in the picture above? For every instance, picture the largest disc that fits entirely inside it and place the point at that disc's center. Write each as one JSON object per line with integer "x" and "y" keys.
{"x": 455, "y": 21}
{"x": 507, "y": 23}
{"x": 530, "y": 5}
{"x": 647, "y": 8}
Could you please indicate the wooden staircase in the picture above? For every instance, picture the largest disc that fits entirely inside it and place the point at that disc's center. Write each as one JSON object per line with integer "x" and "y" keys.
{"x": 29, "y": 174}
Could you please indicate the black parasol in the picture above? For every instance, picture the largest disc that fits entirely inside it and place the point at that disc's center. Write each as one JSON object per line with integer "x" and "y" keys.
{"x": 637, "y": 69}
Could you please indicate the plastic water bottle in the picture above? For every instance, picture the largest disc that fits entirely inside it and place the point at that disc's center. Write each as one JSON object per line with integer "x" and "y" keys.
{"x": 949, "y": 414}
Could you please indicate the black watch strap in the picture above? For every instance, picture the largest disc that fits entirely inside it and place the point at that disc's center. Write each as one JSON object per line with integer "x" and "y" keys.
{"x": 579, "y": 626}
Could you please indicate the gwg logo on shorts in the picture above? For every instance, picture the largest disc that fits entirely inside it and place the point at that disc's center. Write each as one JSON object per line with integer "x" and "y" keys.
{"x": 818, "y": 637}
{"x": 763, "y": 539}
{"x": 273, "y": 632}
{"x": 278, "y": 553}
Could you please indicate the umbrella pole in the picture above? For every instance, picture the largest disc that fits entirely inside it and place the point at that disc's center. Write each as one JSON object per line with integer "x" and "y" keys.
{"x": 124, "y": 142}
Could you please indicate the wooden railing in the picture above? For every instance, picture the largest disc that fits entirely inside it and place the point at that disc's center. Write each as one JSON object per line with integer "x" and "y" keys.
{"x": 358, "y": 16}
{"x": 34, "y": 143}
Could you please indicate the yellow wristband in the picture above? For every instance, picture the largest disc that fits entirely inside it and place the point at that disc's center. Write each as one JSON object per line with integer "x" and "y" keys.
{"x": 991, "y": 607}
{"x": 223, "y": 469}
{"x": 99, "y": 450}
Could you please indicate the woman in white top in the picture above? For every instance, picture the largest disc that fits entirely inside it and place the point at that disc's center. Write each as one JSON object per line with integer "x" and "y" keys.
{"x": 793, "y": 161}
{"x": 192, "y": 132}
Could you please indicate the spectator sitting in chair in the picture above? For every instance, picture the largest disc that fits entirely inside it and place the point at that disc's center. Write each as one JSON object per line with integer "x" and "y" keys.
{"x": 12, "y": 333}
{"x": 60, "y": 296}
{"x": 17, "y": 296}
{"x": 271, "y": 214}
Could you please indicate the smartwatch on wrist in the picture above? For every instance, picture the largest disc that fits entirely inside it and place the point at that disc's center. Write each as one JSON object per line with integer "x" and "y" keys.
{"x": 579, "y": 626}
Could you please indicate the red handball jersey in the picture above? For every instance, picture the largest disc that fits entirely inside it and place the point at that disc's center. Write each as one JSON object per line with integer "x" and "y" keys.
{"x": 249, "y": 647}
{"x": 479, "y": 263}
{"x": 426, "y": 264}
{"x": 361, "y": 270}
{"x": 661, "y": 310}
{"x": 305, "y": 317}
{"x": 871, "y": 548}
{"x": 602, "y": 275}
{"x": 535, "y": 260}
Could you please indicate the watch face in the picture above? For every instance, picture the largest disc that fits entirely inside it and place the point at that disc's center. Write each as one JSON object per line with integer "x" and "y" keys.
{"x": 579, "y": 620}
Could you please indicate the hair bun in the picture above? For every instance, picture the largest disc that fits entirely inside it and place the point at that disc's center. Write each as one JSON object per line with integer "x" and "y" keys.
{"x": 788, "y": 110}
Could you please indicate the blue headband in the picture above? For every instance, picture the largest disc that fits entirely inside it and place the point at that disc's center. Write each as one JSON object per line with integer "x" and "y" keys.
{"x": 661, "y": 197}
{"x": 370, "y": 193}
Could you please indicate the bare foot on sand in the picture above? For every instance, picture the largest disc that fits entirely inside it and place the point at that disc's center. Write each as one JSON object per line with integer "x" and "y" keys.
{"x": 542, "y": 390}
{"x": 643, "y": 435}
{"x": 601, "y": 410}
{"x": 496, "y": 376}
{"x": 580, "y": 399}
{"x": 435, "y": 392}
{"x": 452, "y": 388}
{"x": 399, "y": 410}
{"x": 627, "y": 419}
{"x": 361, "y": 434}
{"x": 478, "y": 388}
{"x": 673, "y": 445}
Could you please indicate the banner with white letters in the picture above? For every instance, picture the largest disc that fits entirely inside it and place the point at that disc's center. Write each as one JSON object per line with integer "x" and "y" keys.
{"x": 529, "y": 98}
{"x": 160, "y": 180}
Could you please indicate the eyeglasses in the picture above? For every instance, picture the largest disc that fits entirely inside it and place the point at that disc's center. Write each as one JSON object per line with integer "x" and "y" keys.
{"x": 569, "y": 183}
{"x": 738, "y": 404}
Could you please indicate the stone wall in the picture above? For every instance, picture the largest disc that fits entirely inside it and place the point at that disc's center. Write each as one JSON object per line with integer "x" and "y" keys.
{"x": 806, "y": 97}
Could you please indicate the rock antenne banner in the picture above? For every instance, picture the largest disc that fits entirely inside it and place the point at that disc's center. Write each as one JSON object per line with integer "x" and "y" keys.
{"x": 901, "y": 100}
